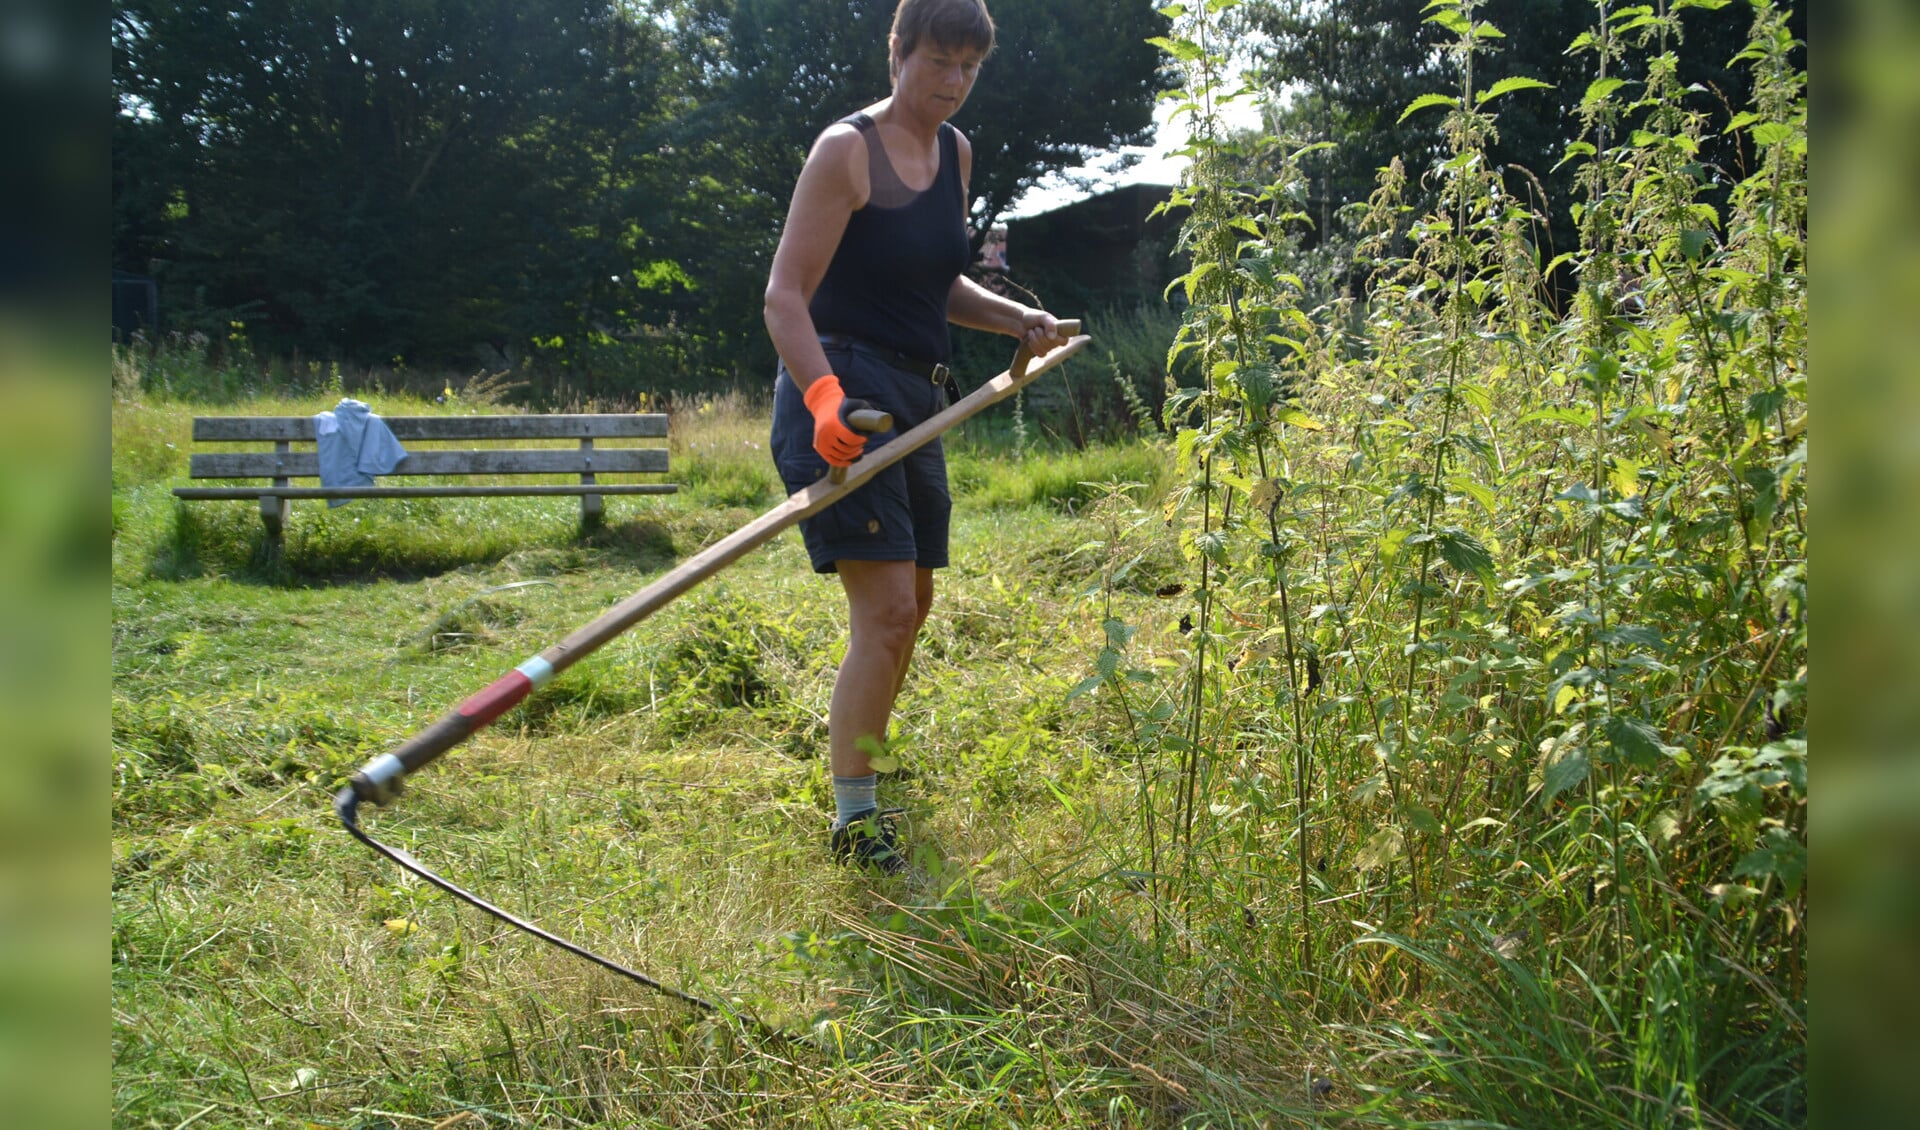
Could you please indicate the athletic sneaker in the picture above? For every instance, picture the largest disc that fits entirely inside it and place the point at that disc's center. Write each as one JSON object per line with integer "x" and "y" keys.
{"x": 870, "y": 841}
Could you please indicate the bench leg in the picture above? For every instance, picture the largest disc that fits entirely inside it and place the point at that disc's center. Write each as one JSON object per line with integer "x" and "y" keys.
{"x": 593, "y": 507}
{"x": 273, "y": 513}
{"x": 273, "y": 510}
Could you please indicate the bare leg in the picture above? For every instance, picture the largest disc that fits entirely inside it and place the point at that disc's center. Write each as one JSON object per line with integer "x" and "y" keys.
{"x": 887, "y": 601}
{"x": 923, "y": 604}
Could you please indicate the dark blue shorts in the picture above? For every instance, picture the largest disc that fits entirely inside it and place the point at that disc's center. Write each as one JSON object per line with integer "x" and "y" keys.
{"x": 903, "y": 513}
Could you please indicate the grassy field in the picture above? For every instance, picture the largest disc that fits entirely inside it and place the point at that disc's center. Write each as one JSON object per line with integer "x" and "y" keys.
{"x": 665, "y": 802}
{"x": 1168, "y": 872}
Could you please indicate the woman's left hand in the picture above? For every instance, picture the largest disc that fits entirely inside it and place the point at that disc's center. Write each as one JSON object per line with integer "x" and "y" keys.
{"x": 1041, "y": 332}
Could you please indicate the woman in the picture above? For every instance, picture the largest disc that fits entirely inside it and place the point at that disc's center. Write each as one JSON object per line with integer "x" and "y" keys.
{"x": 866, "y": 278}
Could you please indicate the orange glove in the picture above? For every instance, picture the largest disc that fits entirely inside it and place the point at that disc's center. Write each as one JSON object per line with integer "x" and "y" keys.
{"x": 837, "y": 443}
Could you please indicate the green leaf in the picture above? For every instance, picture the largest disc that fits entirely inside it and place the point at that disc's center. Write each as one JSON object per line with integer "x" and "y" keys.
{"x": 1508, "y": 86}
{"x": 1779, "y": 855}
{"x": 1381, "y": 848}
{"x": 1694, "y": 244}
{"x": 1623, "y": 476}
{"x": 1084, "y": 686}
{"x": 1466, "y": 553}
{"x": 1298, "y": 419}
{"x": 1600, "y": 89}
{"x": 1426, "y": 100}
{"x": 1566, "y": 768}
{"x": 1633, "y": 635}
{"x": 1181, "y": 49}
{"x": 1420, "y": 818}
{"x": 1479, "y": 492}
{"x": 1634, "y": 740}
{"x": 1581, "y": 417}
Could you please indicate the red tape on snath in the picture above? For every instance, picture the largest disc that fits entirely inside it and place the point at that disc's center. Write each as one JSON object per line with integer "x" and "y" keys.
{"x": 496, "y": 700}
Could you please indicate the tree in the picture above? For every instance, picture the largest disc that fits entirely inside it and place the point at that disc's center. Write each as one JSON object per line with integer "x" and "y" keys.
{"x": 1066, "y": 81}
{"x": 603, "y": 180}
{"x": 386, "y": 178}
{"x": 1360, "y": 63}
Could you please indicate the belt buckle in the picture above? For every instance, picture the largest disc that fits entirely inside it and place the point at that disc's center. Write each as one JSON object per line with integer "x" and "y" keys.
{"x": 939, "y": 374}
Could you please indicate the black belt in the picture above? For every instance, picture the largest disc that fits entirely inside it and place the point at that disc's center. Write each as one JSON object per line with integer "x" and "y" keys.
{"x": 935, "y": 371}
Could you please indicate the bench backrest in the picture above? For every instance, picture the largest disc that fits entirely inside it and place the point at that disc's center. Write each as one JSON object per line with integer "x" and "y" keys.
{"x": 286, "y": 430}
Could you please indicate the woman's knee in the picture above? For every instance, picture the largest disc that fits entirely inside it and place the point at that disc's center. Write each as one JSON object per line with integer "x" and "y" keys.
{"x": 890, "y": 624}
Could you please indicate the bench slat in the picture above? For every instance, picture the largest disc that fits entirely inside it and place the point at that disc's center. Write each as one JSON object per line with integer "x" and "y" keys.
{"x": 306, "y": 464}
{"x": 423, "y": 491}
{"x": 620, "y": 425}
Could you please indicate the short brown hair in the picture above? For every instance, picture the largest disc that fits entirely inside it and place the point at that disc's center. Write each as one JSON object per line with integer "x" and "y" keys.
{"x": 949, "y": 23}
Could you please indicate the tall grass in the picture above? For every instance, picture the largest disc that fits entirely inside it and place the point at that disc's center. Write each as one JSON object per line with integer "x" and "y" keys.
{"x": 1492, "y": 699}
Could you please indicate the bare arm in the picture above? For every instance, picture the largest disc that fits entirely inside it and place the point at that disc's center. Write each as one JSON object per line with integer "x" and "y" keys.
{"x": 832, "y": 186}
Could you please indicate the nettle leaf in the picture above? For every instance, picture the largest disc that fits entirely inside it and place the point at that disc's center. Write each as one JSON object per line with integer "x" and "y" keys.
{"x": 1636, "y": 741}
{"x": 1574, "y": 149}
{"x": 1087, "y": 685}
{"x": 1184, "y": 50}
{"x": 1426, "y": 100}
{"x": 1479, "y": 492}
{"x": 1779, "y": 855}
{"x": 1599, "y": 89}
{"x": 1508, "y": 86}
{"x": 1623, "y": 475}
{"x": 1383, "y": 847}
{"x": 1694, "y": 244}
{"x": 1566, "y": 768}
{"x": 1762, "y": 405}
{"x": 1633, "y": 635}
{"x": 1420, "y": 818}
{"x": 1298, "y": 419}
{"x": 1466, "y": 553}
{"x": 1580, "y": 417}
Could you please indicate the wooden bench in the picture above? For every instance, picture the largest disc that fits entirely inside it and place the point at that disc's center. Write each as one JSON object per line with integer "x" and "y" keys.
{"x": 283, "y": 463}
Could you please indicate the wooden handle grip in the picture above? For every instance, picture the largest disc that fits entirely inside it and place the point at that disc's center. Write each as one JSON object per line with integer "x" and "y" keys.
{"x": 862, "y": 420}
{"x": 1022, "y": 357}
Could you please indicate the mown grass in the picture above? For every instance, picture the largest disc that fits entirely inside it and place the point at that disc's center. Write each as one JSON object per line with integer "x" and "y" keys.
{"x": 664, "y": 802}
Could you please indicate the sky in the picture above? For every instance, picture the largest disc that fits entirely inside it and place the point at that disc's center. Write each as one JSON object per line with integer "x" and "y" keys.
{"x": 1157, "y": 163}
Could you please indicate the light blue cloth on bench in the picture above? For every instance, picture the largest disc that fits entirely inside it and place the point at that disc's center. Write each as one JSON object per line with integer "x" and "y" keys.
{"x": 354, "y": 446}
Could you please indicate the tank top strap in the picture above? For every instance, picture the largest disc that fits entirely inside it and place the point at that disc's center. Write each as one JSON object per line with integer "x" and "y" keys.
{"x": 884, "y": 186}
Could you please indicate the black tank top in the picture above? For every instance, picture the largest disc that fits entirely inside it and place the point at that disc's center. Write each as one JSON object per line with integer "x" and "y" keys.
{"x": 897, "y": 260}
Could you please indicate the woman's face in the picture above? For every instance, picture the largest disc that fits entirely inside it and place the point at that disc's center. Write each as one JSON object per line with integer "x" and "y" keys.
{"x": 935, "y": 80}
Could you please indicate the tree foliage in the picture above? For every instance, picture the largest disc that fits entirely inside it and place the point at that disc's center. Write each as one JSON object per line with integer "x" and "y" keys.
{"x": 1356, "y": 65}
{"x": 599, "y": 181}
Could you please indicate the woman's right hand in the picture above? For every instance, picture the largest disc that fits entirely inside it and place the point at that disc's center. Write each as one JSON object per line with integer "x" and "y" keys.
{"x": 837, "y": 443}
